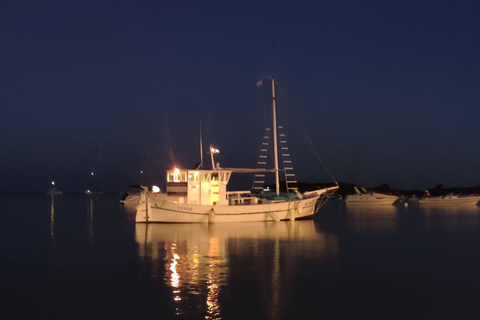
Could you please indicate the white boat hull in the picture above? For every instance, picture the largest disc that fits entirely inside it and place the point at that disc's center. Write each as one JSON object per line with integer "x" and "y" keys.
{"x": 162, "y": 210}
{"x": 449, "y": 200}
{"x": 131, "y": 200}
{"x": 373, "y": 199}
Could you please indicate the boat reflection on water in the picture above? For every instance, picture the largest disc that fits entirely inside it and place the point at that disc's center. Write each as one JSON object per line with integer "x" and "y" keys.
{"x": 200, "y": 261}
{"x": 367, "y": 217}
{"x": 52, "y": 218}
{"x": 90, "y": 219}
{"x": 451, "y": 217}
{"x": 59, "y": 212}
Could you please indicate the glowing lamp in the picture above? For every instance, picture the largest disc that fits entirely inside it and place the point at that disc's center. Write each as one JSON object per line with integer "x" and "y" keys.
{"x": 155, "y": 189}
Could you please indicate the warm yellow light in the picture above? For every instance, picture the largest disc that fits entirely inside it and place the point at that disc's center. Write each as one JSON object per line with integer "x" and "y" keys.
{"x": 155, "y": 189}
{"x": 214, "y": 150}
{"x": 53, "y": 183}
{"x": 174, "y": 277}
{"x": 176, "y": 172}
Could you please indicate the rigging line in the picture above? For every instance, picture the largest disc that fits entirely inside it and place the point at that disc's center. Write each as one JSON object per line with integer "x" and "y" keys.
{"x": 97, "y": 165}
{"x": 312, "y": 147}
{"x": 168, "y": 144}
{"x": 96, "y": 169}
{"x": 265, "y": 105}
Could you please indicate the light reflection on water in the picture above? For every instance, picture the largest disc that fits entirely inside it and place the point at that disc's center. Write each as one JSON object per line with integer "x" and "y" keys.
{"x": 451, "y": 217}
{"x": 367, "y": 218}
{"x": 90, "y": 219}
{"x": 52, "y": 219}
{"x": 194, "y": 260}
{"x": 337, "y": 266}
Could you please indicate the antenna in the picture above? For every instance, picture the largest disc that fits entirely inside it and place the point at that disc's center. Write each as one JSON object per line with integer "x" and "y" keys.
{"x": 201, "y": 146}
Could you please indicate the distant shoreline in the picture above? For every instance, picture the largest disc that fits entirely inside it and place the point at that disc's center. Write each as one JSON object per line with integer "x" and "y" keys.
{"x": 345, "y": 189}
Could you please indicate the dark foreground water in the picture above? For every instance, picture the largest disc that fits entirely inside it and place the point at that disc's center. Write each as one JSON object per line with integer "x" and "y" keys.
{"x": 83, "y": 258}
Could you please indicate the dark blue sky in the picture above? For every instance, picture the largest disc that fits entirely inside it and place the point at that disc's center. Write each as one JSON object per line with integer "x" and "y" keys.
{"x": 388, "y": 92}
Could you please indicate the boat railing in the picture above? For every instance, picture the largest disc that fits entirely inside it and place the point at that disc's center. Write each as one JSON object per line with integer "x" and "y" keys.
{"x": 244, "y": 201}
{"x": 238, "y": 194}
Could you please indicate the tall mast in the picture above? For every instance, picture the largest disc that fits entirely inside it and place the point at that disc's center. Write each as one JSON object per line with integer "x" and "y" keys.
{"x": 275, "y": 149}
{"x": 201, "y": 147}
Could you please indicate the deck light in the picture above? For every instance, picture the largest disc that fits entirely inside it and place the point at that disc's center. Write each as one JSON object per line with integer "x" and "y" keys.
{"x": 176, "y": 173}
{"x": 155, "y": 189}
{"x": 212, "y": 152}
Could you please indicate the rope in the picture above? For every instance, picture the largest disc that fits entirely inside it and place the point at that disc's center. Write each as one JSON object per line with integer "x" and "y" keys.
{"x": 96, "y": 169}
{"x": 312, "y": 148}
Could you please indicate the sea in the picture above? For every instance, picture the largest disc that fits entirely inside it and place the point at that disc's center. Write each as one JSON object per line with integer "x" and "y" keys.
{"x": 81, "y": 257}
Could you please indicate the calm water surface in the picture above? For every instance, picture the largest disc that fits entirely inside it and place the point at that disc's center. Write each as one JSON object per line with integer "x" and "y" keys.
{"x": 74, "y": 257}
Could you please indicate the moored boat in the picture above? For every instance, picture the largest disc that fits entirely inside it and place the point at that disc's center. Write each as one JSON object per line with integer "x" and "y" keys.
{"x": 132, "y": 196}
{"x": 54, "y": 191}
{"x": 449, "y": 199}
{"x": 370, "y": 197}
{"x": 201, "y": 196}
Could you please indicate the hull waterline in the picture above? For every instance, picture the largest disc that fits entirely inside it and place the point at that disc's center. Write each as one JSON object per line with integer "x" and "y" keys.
{"x": 163, "y": 211}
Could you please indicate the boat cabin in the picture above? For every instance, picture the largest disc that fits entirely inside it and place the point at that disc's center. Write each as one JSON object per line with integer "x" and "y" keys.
{"x": 200, "y": 187}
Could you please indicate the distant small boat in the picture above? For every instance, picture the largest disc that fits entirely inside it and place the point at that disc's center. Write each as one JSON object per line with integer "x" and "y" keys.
{"x": 413, "y": 200}
{"x": 449, "y": 199}
{"x": 402, "y": 200}
{"x": 132, "y": 197}
{"x": 370, "y": 197}
{"x": 54, "y": 191}
{"x": 93, "y": 193}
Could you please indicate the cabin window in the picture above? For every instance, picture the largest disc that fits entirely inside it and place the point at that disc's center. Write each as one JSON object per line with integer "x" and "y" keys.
{"x": 214, "y": 176}
{"x": 205, "y": 177}
{"x": 193, "y": 176}
{"x": 222, "y": 176}
{"x": 178, "y": 176}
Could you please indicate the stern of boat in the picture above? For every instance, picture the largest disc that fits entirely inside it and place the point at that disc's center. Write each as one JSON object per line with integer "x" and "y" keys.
{"x": 143, "y": 207}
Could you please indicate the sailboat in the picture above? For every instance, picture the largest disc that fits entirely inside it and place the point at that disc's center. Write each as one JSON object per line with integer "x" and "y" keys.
{"x": 132, "y": 197}
{"x": 93, "y": 191}
{"x": 201, "y": 196}
{"x": 53, "y": 191}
